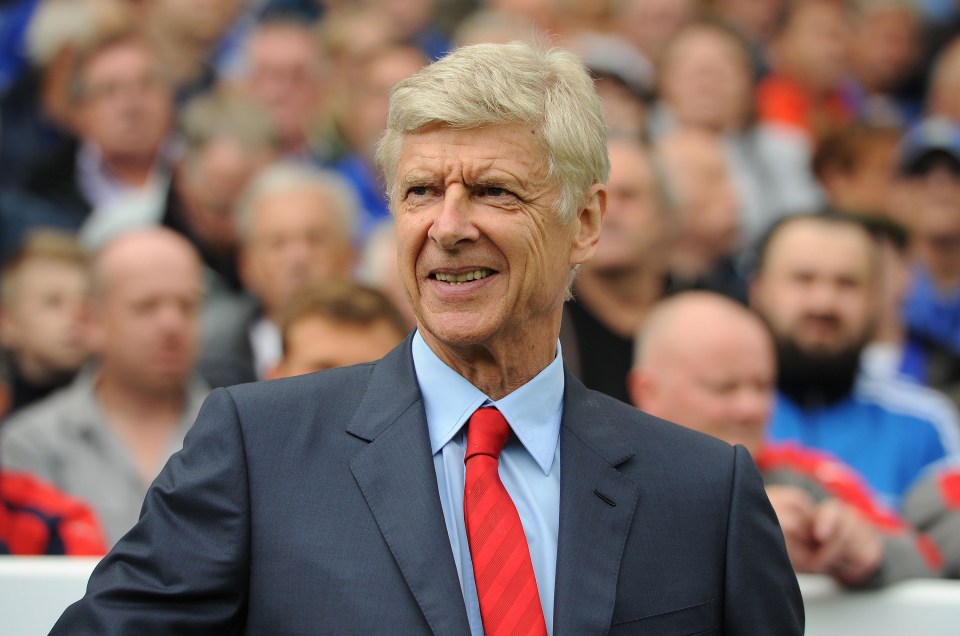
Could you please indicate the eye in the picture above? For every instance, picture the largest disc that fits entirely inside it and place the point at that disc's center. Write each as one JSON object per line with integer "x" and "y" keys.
{"x": 418, "y": 191}
{"x": 493, "y": 191}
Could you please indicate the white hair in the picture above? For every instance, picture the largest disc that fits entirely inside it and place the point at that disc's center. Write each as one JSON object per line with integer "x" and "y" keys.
{"x": 489, "y": 84}
{"x": 286, "y": 176}
{"x": 81, "y": 23}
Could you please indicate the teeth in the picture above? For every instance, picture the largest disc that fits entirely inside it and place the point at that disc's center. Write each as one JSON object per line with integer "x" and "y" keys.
{"x": 457, "y": 279}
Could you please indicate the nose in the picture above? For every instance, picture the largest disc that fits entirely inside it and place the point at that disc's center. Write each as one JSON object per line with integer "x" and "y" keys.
{"x": 453, "y": 222}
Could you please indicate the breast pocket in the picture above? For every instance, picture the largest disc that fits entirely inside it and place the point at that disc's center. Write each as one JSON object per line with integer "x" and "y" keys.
{"x": 696, "y": 620}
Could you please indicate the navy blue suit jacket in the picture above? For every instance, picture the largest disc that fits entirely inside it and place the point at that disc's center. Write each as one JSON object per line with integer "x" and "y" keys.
{"x": 310, "y": 506}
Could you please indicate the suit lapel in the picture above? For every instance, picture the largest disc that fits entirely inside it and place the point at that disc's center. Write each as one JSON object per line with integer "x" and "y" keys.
{"x": 593, "y": 527}
{"x": 396, "y": 474}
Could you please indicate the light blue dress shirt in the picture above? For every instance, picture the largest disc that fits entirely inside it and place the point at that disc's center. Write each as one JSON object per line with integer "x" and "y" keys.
{"x": 529, "y": 463}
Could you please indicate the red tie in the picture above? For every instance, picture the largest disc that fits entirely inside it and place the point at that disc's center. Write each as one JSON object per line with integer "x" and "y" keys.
{"x": 506, "y": 586}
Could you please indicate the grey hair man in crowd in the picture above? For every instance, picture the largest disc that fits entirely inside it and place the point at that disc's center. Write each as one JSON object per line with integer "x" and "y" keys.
{"x": 465, "y": 483}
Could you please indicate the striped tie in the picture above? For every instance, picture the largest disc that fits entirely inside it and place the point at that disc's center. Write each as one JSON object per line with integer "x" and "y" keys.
{"x": 506, "y": 586}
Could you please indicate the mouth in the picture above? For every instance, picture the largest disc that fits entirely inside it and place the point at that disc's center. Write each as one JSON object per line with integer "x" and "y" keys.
{"x": 464, "y": 277}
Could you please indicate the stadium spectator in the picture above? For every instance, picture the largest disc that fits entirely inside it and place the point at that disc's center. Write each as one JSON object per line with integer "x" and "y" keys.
{"x": 225, "y": 140}
{"x": 286, "y": 72}
{"x": 44, "y": 293}
{"x": 816, "y": 286}
{"x": 708, "y": 363}
{"x": 706, "y": 204}
{"x": 930, "y": 161}
{"x": 295, "y": 226}
{"x": 615, "y": 289}
{"x": 122, "y": 111}
{"x": 105, "y": 437}
{"x": 336, "y": 324}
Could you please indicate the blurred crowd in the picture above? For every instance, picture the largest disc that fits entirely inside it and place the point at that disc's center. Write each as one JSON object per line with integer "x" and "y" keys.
{"x": 189, "y": 199}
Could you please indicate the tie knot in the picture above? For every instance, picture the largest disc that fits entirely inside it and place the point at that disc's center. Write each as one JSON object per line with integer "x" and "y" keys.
{"x": 487, "y": 433}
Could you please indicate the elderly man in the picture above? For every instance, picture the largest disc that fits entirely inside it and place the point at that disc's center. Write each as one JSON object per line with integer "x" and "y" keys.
{"x": 105, "y": 437}
{"x": 353, "y": 500}
{"x": 295, "y": 226}
{"x": 708, "y": 363}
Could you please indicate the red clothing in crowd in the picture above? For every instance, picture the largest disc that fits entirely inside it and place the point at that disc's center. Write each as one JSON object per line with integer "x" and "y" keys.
{"x": 38, "y": 519}
{"x": 823, "y": 476}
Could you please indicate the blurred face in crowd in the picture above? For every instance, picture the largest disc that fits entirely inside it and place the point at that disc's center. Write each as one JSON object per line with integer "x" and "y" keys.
{"x": 709, "y": 213}
{"x": 295, "y": 237}
{"x": 43, "y": 325}
{"x": 756, "y": 18}
{"x": 317, "y": 342}
{"x": 286, "y": 76}
{"x": 146, "y": 327}
{"x": 871, "y": 182}
{"x": 814, "y": 47}
{"x": 710, "y": 367}
{"x": 126, "y": 107}
{"x": 706, "y": 80}
{"x": 367, "y": 116}
{"x": 623, "y": 110}
{"x": 211, "y": 184}
{"x": 482, "y": 251}
{"x": 885, "y": 46}
{"x": 635, "y": 223}
{"x": 817, "y": 286}
{"x": 649, "y": 24}
{"x": 203, "y": 21}
{"x": 931, "y": 205}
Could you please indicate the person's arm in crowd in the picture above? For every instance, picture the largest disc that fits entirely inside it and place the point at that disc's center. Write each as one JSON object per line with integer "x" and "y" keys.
{"x": 835, "y": 538}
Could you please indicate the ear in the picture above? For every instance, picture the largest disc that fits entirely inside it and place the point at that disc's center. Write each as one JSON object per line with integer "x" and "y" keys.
{"x": 588, "y": 223}
{"x": 643, "y": 390}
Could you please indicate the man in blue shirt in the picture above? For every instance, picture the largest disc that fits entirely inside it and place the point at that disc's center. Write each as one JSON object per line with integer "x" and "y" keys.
{"x": 465, "y": 483}
{"x": 816, "y": 287}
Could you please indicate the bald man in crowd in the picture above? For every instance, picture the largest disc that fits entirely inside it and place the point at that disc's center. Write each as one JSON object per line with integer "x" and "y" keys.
{"x": 105, "y": 437}
{"x": 705, "y": 362}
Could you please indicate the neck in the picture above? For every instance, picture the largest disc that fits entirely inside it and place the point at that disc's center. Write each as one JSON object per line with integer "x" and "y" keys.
{"x": 499, "y": 368}
{"x": 620, "y": 299}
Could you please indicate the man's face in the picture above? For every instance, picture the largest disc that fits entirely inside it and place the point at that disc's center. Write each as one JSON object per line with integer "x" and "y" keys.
{"x": 285, "y": 77}
{"x": 316, "y": 343}
{"x": 481, "y": 250}
{"x": 931, "y": 206}
{"x": 44, "y": 325}
{"x": 211, "y": 185}
{"x": 634, "y": 223}
{"x": 199, "y": 21}
{"x": 817, "y": 287}
{"x": 295, "y": 237}
{"x": 710, "y": 207}
{"x": 817, "y": 43}
{"x": 706, "y": 81}
{"x": 719, "y": 381}
{"x": 147, "y": 325}
{"x": 126, "y": 109}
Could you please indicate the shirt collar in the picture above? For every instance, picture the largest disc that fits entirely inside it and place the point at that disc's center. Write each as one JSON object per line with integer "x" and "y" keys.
{"x": 533, "y": 411}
